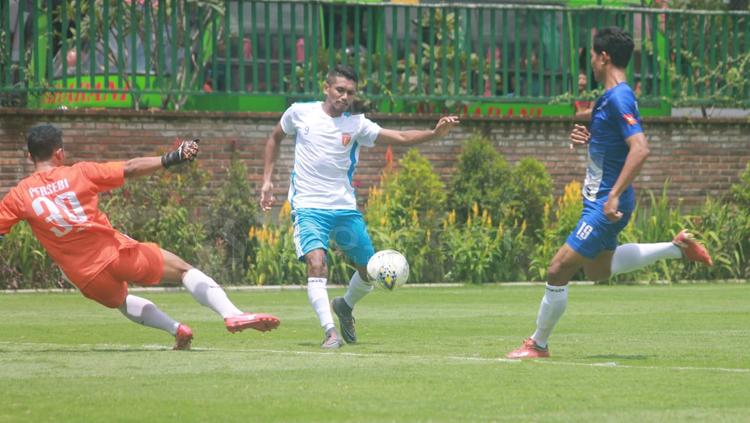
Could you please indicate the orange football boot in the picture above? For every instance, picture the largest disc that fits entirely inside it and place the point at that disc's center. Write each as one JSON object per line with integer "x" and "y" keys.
{"x": 183, "y": 339}
{"x": 529, "y": 349}
{"x": 258, "y": 321}
{"x": 692, "y": 250}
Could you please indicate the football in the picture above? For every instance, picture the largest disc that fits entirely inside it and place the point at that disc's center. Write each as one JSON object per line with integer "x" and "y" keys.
{"x": 389, "y": 269}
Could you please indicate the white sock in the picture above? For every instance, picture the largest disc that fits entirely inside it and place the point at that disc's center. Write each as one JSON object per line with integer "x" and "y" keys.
{"x": 318, "y": 296}
{"x": 144, "y": 312}
{"x": 208, "y": 293}
{"x": 552, "y": 308}
{"x": 629, "y": 257}
{"x": 358, "y": 288}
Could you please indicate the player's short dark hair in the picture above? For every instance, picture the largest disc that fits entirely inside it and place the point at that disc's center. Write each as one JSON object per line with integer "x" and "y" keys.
{"x": 617, "y": 43}
{"x": 344, "y": 71}
{"x": 42, "y": 141}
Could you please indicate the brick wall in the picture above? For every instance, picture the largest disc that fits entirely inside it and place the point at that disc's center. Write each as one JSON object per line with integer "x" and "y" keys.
{"x": 701, "y": 157}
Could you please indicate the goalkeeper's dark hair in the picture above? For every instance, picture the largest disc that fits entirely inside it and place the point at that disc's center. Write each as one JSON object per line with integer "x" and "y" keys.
{"x": 42, "y": 141}
{"x": 344, "y": 71}
{"x": 617, "y": 43}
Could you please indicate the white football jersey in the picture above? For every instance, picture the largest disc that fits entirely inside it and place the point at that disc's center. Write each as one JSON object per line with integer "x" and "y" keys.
{"x": 326, "y": 152}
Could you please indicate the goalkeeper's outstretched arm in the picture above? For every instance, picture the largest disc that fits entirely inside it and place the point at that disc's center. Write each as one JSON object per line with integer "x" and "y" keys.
{"x": 185, "y": 152}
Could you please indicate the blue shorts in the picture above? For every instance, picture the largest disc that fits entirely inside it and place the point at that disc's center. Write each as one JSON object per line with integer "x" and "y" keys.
{"x": 595, "y": 233}
{"x": 313, "y": 227}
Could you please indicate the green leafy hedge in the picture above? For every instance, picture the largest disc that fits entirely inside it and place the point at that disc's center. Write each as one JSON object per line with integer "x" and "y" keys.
{"x": 493, "y": 223}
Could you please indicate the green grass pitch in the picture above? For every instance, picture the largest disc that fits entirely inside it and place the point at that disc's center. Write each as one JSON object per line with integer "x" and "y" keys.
{"x": 637, "y": 353}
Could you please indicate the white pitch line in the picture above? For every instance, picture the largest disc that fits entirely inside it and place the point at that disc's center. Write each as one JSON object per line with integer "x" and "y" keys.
{"x": 632, "y": 366}
{"x": 504, "y": 360}
{"x": 608, "y": 364}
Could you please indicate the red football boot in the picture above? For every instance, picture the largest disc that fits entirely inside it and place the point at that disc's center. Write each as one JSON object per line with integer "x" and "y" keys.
{"x": 258, "y": 321}
{"x": 183, "y": 338}
{"x": 529, "y": 349}
{"x": 692, "y": 250}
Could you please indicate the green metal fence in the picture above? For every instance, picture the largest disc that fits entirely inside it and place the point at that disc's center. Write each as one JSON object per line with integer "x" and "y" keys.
{"x": 261, "y": 55}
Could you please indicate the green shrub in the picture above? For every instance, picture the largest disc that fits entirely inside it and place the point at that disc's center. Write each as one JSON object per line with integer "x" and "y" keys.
{"x": 415, "y": 188}
{"x": 652, "y": 221}
{"x": 514, "y": 198}
{"x": 275, "y": 258}
{"x": 655, "y": 219}
{"x": 162, "y": 209}
{"x": 24, "y": 264}
{"x": 511, "y": 195}
{"x": 725, "y": 230}
{"x": 531, "y": 186}
{"x": 405, "y": 214}
{"x": 410, "y": 238}
{"x": 740, "y": 192}
{"x": 482, "y": 177}
{"x": 479, "y": 251}
{"x": 231, "y": 215}
{"x": 415, "y": 242}
{"x": 555, "y": 230}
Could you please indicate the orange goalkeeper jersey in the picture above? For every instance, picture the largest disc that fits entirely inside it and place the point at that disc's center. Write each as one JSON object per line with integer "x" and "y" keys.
{"x": 62, "y": 207}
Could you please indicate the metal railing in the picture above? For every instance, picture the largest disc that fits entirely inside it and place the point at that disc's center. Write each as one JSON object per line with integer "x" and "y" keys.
{"x": 263, "y": 54}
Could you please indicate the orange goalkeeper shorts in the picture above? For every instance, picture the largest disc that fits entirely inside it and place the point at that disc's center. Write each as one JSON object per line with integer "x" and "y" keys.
{"x": 141, "y": 264}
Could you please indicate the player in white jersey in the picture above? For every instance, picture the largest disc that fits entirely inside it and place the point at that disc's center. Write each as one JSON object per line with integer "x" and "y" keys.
{"x": 327, "y": 143}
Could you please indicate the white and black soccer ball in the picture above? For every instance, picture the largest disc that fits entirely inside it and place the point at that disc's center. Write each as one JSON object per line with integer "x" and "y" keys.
{"x": 388, "y": 269}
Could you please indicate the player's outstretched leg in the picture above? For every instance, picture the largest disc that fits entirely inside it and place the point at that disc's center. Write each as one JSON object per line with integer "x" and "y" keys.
{"x": 343, "y": 306}
{"x": 209, "y": 294}
{"x": 144, "y": 312}
{"x": 631, "y": 257}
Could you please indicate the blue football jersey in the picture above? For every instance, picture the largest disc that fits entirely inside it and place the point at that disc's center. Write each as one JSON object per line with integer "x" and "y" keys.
{"x": 615, "y": 117}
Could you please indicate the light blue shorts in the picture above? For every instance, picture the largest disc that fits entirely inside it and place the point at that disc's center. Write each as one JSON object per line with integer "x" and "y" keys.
{"x": 314, "y": 227}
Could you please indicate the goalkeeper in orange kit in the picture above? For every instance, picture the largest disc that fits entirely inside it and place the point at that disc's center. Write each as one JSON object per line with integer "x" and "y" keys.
{"x": 60, "y": 203}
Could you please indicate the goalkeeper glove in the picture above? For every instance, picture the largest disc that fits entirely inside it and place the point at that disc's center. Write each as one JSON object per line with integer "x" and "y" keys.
{"x": 186, "y": 152}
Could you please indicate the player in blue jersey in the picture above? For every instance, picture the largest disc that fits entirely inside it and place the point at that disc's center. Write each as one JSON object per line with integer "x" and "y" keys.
{"x": 327, "y": 143}
{"x": 617, "y": 150}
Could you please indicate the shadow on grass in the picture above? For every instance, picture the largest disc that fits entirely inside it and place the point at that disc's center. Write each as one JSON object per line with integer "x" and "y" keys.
{"x": 347, "y": 347}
